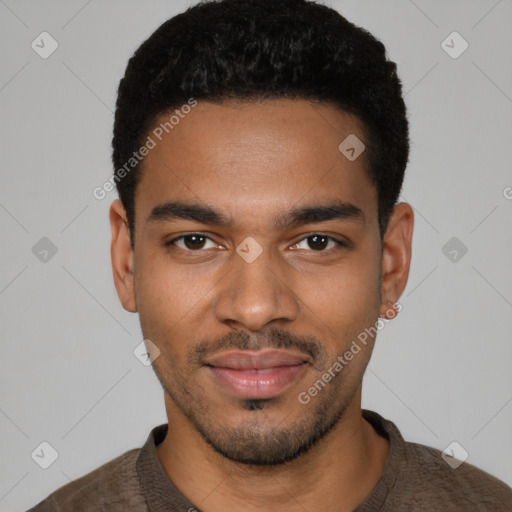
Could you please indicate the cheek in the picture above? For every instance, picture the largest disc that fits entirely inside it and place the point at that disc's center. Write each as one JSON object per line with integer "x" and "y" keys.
{"x": 345, "y": 295}
{"x": 346, "y": 308}
{"x": 172, "y": 302}
{"x": 163, "y": 297}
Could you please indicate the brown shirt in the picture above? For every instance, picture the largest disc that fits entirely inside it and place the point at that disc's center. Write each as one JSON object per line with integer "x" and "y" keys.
{"x": 415, "y": 478}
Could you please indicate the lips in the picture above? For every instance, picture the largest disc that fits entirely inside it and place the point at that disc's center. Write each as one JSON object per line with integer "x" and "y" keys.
{"x": 256, "y": 360}
{"x": 257, "y": 374}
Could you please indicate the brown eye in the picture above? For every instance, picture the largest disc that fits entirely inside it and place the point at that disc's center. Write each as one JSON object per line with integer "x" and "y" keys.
{"x": 319, "y": 243}
{"x": 192, "y": 242}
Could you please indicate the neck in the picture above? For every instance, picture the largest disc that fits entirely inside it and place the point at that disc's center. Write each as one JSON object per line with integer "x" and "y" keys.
{"x": 338, "y": 473}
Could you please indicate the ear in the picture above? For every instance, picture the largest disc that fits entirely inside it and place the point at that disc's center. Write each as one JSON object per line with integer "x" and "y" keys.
{"x": 396, "y": 256}
{"x": 121, "y": 254}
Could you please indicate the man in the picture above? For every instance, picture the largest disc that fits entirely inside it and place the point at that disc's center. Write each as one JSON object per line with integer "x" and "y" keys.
{"x": 259, "y": 151}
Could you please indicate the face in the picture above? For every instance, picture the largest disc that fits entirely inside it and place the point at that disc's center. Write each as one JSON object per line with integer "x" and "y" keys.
{"x": 257, "y": 263}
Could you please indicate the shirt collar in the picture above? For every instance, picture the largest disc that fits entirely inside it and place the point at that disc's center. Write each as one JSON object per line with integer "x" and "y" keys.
{"x": 158, "y": 489}
{"x": 162, "y": 495}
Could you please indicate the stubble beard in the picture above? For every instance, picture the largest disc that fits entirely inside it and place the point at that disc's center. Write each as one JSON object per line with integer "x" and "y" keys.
{"x": 255, "y": 442}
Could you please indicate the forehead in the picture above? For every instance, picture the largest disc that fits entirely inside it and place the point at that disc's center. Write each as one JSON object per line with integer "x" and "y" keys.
{"x": 262, "y": 157}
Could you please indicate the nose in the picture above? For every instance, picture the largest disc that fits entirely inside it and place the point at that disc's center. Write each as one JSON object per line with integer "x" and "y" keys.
{"x": 254, "y": 294}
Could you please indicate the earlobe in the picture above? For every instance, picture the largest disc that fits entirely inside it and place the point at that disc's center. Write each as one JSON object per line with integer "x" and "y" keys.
{"x": 396, "y": 255}
{"x": 122, "y": 256}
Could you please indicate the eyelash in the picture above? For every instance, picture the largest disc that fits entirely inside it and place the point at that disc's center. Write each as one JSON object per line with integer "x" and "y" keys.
{"x": 338, "y": 242}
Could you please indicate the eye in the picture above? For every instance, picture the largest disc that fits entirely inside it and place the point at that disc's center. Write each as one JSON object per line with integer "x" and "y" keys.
{"x": 191, "y": 242}
{"x": 319, "y": 242}
{"x": 195, "y": 242}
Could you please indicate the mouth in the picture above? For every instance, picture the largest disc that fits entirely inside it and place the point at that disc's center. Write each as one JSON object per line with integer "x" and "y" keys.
{"x": 257, "y": 374}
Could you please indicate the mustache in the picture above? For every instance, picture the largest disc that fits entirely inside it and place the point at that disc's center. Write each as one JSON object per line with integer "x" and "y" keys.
{"x": 272, "y": 338}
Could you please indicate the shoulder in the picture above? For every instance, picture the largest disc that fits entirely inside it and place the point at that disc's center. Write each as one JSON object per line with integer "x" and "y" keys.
{"x": 436, "y": 483}
{"x": 418, "y": 478}
{"x": 115, "y": 483}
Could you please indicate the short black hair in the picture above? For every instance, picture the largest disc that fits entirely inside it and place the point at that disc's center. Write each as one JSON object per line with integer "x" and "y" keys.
{"x": 264, "y": 49}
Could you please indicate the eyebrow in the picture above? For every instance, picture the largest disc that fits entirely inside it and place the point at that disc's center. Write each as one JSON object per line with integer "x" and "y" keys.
{"x": 175, "y": 210}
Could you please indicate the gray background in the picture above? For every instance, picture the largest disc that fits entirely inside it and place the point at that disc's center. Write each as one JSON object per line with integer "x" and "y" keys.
{"x": 441, "y": 370}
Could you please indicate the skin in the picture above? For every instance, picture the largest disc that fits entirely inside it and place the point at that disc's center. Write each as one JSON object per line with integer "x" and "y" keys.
{"x": 253, "y": 161}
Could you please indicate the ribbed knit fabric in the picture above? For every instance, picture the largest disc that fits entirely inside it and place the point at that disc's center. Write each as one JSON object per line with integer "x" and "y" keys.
{"x": 415, "y": 479}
